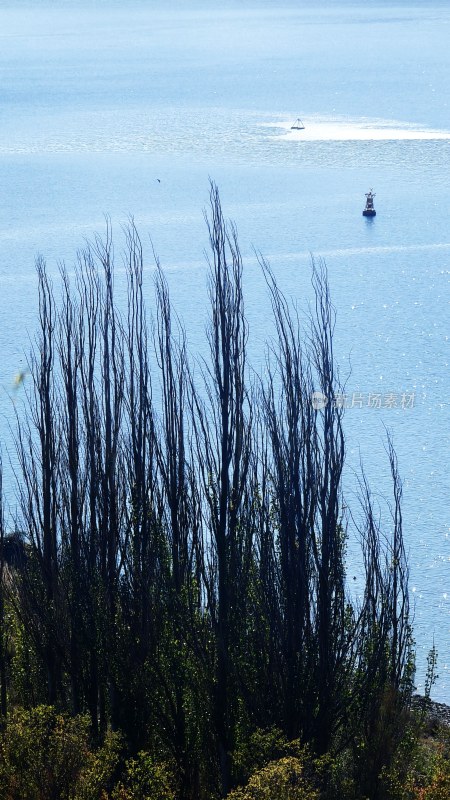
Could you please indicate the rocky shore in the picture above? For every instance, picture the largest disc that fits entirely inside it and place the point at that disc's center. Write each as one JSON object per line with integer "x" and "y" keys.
{"x": 435, "y": 712}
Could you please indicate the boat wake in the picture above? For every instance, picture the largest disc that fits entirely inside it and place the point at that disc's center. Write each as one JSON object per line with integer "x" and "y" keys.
{"x": 322, "y": 130}
{"x": 349, "y": 251}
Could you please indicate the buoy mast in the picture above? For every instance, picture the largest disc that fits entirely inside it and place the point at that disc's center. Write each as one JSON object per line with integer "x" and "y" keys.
{"x": 369, "y": 210}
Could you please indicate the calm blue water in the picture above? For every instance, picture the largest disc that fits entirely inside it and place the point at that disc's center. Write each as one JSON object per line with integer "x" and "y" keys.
{"x": 99, "y": 100}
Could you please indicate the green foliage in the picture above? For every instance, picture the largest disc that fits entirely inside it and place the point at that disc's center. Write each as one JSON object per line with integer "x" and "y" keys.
{"x": 45, "y": 755}
{"x": 145, "y": 780}
{"x": 334, "y": 777}
{"x": 376, "y": 746}
{"x": 256, "y": 751}
{"x": 439, "y": 789}
{"x": 272, "y": 766}
{"x": 420, "y": 768}
{"x": 430, "y": 678}
{"x": 433, "y": 782}
{"x": 27, "y": 684}
{"x": 280, "y": 780}
{"x": 410, "y": 769}
{"x": 42, "y": 755}
{"x": 100, "y": 769}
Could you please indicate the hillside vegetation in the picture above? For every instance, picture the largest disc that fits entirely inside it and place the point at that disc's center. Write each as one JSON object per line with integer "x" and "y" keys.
{"x": 175, "y": 620}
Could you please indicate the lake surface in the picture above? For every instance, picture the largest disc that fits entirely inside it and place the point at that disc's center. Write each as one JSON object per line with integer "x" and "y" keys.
{"x": 100, "y": 100}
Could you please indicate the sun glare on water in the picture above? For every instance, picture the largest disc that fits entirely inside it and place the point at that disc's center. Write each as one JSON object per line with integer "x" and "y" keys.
{"x": 345, "y": 130}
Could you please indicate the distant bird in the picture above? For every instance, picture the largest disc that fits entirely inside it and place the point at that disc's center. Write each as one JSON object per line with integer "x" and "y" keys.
{"x": 19, "y": 379}
{"x": 158, "y": 179}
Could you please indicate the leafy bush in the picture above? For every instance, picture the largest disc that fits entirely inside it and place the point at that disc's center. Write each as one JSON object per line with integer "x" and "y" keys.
{"x": 280, "y": 780}
{"x": 46, "y": 755}
{"x": 145, "y": 780}
{"x": 327, "y": 777}
{"x": 437, "y": 748}
{"x": 420, "y": 769}
{"x": 439, "y": 789}
{"x": 42, "y": 755}
{"x": 101, "y": 767}
{"x": 257, "y": 750}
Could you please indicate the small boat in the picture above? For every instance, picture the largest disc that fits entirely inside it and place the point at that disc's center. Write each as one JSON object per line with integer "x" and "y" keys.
{"x": 298, "y": 125}
{"x": 369, "y": 210}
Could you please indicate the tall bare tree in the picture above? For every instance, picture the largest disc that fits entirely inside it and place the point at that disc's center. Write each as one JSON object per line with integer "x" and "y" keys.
{"x": 185, "y": 579}
{"x": 223, "y": 435}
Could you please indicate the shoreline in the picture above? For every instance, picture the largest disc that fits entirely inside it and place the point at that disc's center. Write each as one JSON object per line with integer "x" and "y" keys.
{"x": 434, "y": 711}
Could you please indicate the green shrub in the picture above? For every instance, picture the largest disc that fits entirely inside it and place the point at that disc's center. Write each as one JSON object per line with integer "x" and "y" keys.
{"x": 326, "y": 777}
{"x": 437, "y": 785}
{"x": 45, "y": 755}
{"x": 96, "y": 779}
{"x": 280, "y": 780}
{"x": 42, "y": 754}
{"x": 439, "y": 789}
{"x": 145, "y": 780}
{"x": 257, "y": 750}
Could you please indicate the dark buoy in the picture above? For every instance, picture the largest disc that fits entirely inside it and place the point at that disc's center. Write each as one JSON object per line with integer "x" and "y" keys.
{"x": 369, "y": 210}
